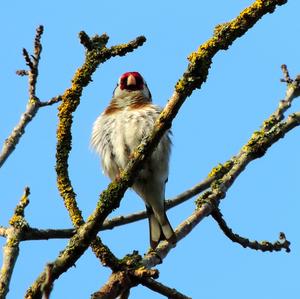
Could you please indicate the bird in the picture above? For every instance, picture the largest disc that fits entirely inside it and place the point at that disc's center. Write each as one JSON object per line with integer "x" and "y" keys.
{"x": 116, "y": 133}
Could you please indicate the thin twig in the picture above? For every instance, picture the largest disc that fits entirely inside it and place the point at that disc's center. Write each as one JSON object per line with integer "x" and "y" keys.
{"x": 50, "y": 102}
{"x": 292, "y": 91}
{"x": 34, "y": 66}
{"x": 282, "y": 243}
{"x": 33, "y": 104}
{"x": 286, "y": 74}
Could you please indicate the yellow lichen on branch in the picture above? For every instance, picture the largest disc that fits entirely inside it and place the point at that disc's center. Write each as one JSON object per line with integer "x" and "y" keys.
{"x": 96, "y": 54}
{"x": 223, "y": 37}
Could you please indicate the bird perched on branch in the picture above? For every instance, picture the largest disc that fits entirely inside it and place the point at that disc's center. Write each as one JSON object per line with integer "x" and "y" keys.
{"x": 130, "y": 117}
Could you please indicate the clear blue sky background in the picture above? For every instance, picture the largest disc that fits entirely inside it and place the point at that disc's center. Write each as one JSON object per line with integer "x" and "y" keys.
{"x": 242, "y": 90}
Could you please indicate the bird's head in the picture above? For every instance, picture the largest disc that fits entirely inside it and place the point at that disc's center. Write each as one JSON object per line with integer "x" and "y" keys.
{"x": 132, "y": 84}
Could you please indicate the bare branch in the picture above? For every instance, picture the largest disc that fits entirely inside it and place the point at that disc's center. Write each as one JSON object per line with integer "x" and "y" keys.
{"x": 14, "y": 138}
{"x": 11, "y": 248}
{"x": 209, "y": 200}
{"x": 198, "y": 188}
{"x": 50, "y": 102}
{"x": 153, "y": 258}
{"x": 292, "y": 91}
{"x": 27, "y": 58}
{"x": 286, "y": 75}
{"x": 33, "y": 65}
{"x": 162, "y": 289}
{"x": 282, "y": 243}
{"x": 46, "y": 234}
{"x": 33, "y": 104}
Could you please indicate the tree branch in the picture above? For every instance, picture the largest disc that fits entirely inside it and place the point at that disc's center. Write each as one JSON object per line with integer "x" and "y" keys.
{"x": 46, "y": 234}
{"x": 33, "y": 103}
{"x": 120, "y": 282}
{"x": 32, "y": 233}
{"x": 50, "y": 102}
{"x": 282, "y": 243}
{"x": 209, "y": 200}
{"x": 162, "y": 289}
{"x": 292, "y": 91}
{"x": 11, "y": 249}
{"x": 70, "y": 100}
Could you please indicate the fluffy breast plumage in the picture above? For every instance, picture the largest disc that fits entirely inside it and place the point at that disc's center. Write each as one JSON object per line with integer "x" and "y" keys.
{"x": 117, "y": 133}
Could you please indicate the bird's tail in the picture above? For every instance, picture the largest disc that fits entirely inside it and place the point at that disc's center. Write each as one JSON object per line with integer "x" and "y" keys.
{"x": 160, "y": 228}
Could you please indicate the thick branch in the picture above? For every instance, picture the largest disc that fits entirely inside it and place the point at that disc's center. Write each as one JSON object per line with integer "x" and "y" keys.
{"x": 120, "y": 282}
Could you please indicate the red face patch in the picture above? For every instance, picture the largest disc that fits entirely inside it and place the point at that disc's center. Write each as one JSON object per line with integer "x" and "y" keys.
{"x": 138, "y": 78}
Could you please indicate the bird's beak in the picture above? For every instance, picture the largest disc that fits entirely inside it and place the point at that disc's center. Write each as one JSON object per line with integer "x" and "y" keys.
{"x": 131, "y": 80}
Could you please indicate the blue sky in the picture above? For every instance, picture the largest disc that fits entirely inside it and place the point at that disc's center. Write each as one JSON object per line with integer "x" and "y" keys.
{"x": 242, "y": 90}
